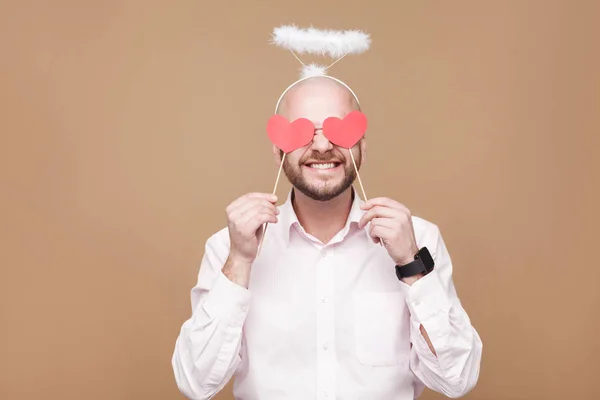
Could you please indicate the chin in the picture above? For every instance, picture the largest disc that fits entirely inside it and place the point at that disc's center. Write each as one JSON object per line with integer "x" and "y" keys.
{"x": 324, "y": 186}
{"x": 320, "y": 196}
{"x": 322, "y": 192}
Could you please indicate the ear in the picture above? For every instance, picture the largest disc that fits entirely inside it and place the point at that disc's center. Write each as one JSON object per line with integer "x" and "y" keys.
{"x": 277, "y": 154}
{"x": 363, "y": 150}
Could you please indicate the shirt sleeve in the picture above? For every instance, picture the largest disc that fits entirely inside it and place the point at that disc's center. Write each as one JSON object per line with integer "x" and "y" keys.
{"x": 433, "y": 303}
{"x": 207, "y": 350}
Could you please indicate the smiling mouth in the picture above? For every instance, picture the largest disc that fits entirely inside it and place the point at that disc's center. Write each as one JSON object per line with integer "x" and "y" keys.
{"x": 329, "y": 165}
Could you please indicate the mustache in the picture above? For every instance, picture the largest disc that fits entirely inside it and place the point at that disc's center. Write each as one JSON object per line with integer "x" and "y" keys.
{"x": 329, "y": 156}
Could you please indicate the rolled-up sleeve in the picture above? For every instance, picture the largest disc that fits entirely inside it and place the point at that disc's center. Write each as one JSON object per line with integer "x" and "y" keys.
{"x": 207, "y": 349}
{"x": 433, "y": 303}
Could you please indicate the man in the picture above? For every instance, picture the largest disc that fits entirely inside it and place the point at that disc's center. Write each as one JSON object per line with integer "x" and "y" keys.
{"x": 321, "y": 313}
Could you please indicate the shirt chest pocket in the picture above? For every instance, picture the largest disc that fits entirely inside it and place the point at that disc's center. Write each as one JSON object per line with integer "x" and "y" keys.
{"x": 381, "y": 328}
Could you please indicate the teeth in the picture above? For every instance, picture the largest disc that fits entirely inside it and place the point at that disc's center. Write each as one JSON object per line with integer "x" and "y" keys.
{"x": 323, "y": 166}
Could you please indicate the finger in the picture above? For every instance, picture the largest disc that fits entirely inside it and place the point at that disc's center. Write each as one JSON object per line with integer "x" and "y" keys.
{"x": 250, "y": 196}
{"x": 380, "y": 233}
{"x": 378, "y": 212}
{"x": 252, "y": 226}
{"x": 385, "y": 202}
{"x": 385, "y": 222}
{"x": 373, "y": 235}
{"x": 246, "y": 208}
{"x": 254, "y": 208}
{"x": 253, "y": 212}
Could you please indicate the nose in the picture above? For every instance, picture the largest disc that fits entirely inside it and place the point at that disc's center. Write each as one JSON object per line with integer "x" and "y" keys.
{"x": 320, "y": 142}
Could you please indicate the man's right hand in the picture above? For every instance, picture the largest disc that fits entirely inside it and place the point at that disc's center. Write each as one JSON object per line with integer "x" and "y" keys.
{"x": 245, "y": 219}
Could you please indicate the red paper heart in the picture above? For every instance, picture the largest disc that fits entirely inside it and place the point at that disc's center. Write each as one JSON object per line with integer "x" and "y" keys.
{"x": 345, "y": 132}
{"x": 289, "y": 137}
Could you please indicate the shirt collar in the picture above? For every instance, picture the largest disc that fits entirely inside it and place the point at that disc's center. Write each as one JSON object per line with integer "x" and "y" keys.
{"x": 288, "y": 218}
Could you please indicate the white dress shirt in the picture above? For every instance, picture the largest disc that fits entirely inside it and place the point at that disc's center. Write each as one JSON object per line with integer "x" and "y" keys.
{"x": 325, "y": 321}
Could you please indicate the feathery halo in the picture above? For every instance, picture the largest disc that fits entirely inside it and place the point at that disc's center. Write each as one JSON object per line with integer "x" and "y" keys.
{"x": 321, "y": 41}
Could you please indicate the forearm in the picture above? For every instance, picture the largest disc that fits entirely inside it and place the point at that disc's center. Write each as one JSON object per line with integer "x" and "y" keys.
{"x": 204, "y": 359}
{"x": 427, "y": 340}
{"x": 207, "y": 349}
{"x": 454, "y": 369}
{"x": 446, "y": 349}
{"x": 410, "y": 281}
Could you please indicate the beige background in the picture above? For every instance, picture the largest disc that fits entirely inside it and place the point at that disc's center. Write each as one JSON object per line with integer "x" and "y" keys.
{"x": 127, "y": 127}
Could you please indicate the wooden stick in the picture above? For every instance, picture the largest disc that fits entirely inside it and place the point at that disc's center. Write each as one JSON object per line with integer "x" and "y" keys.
{"x": 274, "y": 191}
{"x": 358, "y": 176}
{"x": 361, "y": 185}
{"x": 279, "y": 173}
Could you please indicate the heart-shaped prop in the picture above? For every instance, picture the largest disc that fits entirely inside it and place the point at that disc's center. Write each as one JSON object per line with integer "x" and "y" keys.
{"x": 289, "y": 137}
{"x": 345, "y": 132}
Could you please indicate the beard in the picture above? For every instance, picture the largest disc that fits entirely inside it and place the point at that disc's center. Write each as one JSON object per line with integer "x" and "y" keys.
{"x": 321, "y": 191}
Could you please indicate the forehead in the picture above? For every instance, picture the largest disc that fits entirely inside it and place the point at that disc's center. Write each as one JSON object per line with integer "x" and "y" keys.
{"x": 317, "y": 100}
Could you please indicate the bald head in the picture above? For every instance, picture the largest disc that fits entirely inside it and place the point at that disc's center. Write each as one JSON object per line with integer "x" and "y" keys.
{"x": 316, "y": 99}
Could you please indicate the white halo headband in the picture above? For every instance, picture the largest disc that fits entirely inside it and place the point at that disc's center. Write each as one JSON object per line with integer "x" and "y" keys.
{"x": 336, "y": 44}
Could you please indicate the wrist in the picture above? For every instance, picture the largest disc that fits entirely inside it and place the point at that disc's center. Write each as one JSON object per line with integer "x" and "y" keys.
{"x": 412, "y": 279}
{"x": 239, "y": 260}
{"x": 408, "y": 257}
{"x": 405, "y": 260}
{"x": 413, "y": 270}
{"x": 237, "y": 270}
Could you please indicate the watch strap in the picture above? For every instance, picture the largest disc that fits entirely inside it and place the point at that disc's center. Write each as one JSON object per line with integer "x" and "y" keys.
{"x": 411, "y": 269}
{"x": 423, "y": 264}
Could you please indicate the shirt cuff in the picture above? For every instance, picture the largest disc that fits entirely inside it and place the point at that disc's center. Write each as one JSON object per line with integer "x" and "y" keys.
{"x": 227, "y": 301}
{"x": 427, "y": 297}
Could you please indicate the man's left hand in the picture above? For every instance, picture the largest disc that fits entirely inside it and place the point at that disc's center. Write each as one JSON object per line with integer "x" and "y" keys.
{"x": 391, "y": 224}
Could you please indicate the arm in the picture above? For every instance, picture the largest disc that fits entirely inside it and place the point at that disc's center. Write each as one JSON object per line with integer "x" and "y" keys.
{"x": 208, "y": 346}
{"x": 446, "y": 352}
{"x": 207, "y": 351}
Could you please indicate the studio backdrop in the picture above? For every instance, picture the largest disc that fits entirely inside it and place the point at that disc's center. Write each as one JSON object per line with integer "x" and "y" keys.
{"x": 128, "y": 126}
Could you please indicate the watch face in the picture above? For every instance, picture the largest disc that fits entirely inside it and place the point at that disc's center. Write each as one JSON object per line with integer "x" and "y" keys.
{"x": 425, "y": 256}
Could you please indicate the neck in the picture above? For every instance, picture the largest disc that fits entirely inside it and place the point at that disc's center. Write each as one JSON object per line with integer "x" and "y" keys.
{"x": 322, "y": 219}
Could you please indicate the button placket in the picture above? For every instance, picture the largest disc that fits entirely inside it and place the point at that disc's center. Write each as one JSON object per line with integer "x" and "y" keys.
{"x": 326, "y": 355}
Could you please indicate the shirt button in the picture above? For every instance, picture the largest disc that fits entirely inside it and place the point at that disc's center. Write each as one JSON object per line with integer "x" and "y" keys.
{"x": 326, "y": 346}
{"x": 324, "y": 299}
{"x": 325, "y": 393}
{"x": 323, "y": 254}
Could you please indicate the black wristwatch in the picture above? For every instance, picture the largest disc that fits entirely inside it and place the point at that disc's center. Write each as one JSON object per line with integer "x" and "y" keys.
{"x": 423, "y": 264}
